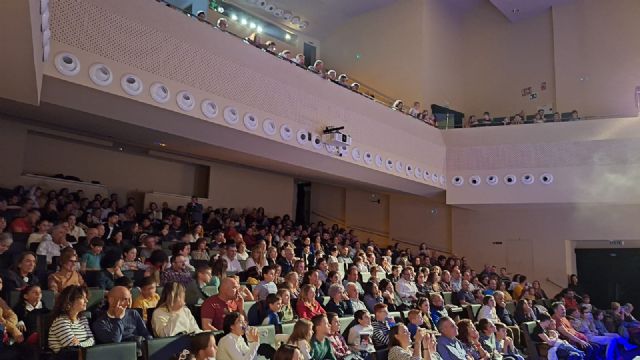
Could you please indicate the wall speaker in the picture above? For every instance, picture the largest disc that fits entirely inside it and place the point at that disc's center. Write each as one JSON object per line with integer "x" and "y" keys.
{"x": 131, "y": 84}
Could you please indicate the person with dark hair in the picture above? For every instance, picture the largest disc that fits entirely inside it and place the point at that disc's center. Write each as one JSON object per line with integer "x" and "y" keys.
{"x": 267, "y": 285}
{"x": 320, "y": 345}
{"x": 70, "y": 327}
{"x": 177, "y": 272}
{"x": 67, "y": 275}
{"x": 157, "y": 261}
{"x": 519, "y": 287}
{"x": 231, "y": 257}
{"x": 202, "y": 347}
{"x": 545, "y": 333}
{"x": 119, "y": 323}
{"x": 91, "y": 259}
{"x": 21, "y": 274}
{"x": 232, "y": 345}
{"x": 524, "y": 312}
{"x": 29, "y": 305}
{"x": 288, "y": 352}
{"x": 148, "y": 297}
{"x": 470, "y": 339}
{"x": 111, "y": 226}
{"x": 360, "y": 334}
{"x": 111, "y": 263}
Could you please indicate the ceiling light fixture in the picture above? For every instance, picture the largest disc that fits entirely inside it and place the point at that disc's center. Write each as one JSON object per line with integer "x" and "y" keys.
{"x": 234, "y": 17}
{"x": 252, "y": 25}
{"x": 243, "y": 21}
{"x": 287, "y": 36}
{"x": 259, "y": 29}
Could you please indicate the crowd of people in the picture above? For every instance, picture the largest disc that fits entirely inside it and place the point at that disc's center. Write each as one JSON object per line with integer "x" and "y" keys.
{"x": 520, "y": 118}
{"x": 209, "y": 262}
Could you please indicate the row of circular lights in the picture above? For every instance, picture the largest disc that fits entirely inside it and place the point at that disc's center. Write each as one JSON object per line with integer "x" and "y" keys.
{"x": 280, "y": 13}
{"x": 100, "y": 74}
{"x": 510, "y": 179}
{"x": 45, "y": 29}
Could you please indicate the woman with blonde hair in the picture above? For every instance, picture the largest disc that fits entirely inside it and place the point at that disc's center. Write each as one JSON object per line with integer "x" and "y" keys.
{"x": 172, "y": 317}
{"x": 301, "y": 337}
{"x": 307, "y": 306}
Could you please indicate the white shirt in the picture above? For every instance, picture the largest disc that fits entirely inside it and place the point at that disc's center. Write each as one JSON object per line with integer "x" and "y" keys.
{"x": 233, "y": 265}
{"x": 166, "y": 323}
{"x": 49, "y": 248}
{"x": 406, "y": 289}
{"x": 233, "y": 347}
{"x": 487, "y": 312}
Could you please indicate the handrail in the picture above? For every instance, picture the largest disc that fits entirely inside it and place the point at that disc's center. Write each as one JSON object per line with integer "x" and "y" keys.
{"x": 354, "y": 227}
{"x": 555, "y": 283}
{"x": 434, "y": 248}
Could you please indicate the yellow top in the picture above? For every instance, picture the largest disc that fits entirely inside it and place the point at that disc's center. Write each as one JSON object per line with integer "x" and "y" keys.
{"x": 145, "y": 303}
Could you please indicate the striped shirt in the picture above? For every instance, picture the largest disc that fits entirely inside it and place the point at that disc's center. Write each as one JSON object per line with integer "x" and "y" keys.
{"x": 63, "y": 330}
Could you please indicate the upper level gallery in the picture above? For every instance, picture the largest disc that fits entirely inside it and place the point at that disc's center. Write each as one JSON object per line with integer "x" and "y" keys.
{"x": 150, "y": 75}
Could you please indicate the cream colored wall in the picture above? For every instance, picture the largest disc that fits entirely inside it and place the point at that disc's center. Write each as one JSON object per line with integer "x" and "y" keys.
{"x": 239, "y": 187}
{"x": 12, "y": 147}
{"x": 596, "y": 41}
{"x": 551, "y": 231}
{"x": 415, "y": 220}
{"x": 121, "y": 172}
{"x": 501, "y": 58}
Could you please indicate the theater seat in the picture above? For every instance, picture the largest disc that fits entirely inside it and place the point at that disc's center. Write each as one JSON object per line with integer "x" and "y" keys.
{"x": 164, "y": 348}
{"x": 248, "y": 305}
{"x": 365, "y": 277}
{"x": 287, "y": 328}
{"x": 344, "y": 322}
{"x": 124, "y": 350}
{"x": 267, "y": 336}
{"x": 534, "y": 351}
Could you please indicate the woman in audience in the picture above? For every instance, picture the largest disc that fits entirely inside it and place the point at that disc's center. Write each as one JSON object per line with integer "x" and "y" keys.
{"x": 157, "y": 262}
{"x": 539, "y": 292}
{"x": 338, "y": 344}
{"x": 338, "y": 302}
{"x": 445, "y": 281}
{"x": 272, "y": 255}
{"x": 372, "y": 295}
{"x": 293, "y": 280}
{"x": 524, "y": 312}
{"x": 232, "y": 345}
{"x": 288, "y": 352}
{"x": 198, "y": 233}
{"x": 218, "y": 272}
{"x": 43, "y": 227}
{"x": 242, "y": 253}
{"x": 154, "y": 213}
{"x": 391, "y": 298}
{"x": 172, "y": 316}
{"x": 301, "y": 337}
{"x": 398, "y": 105}
{"x": 307, "y": 306}
{"x": 29, "y": 306}
{"x": 545, "y": 333}
{"x": 200, "y": 252}
{"x": 202, "y": 347}
{"x": 21, "y": 274}
{"x": 257, "y": 258}
{"x": 424, "y": 344}
{"x": 470, "y": 337}
{"x": 502, "y": 286}
{"x": 433, "y": 282}
{"x": 67, "y": 275}
{"x": 69, "y": 327}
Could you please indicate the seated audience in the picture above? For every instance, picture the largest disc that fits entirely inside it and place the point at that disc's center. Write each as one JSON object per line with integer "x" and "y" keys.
{"x": 381, "y": 326}
{"x": 288, "y": 352}
{"x": 299, "y": 59}
{"x": 372, "y": 295}
{"x": 545, "y": 333}
{"x": 91, "y": 259}
{"x": 470, "y": 339}
{"x": 119, "y": 323}
{"x": 504, "y": 344}
{"x": 406, "y": 287}
{"x": 172, "y": 316}
{"x": 202, "y": 347}
{"x": 320, "y": 345}
{"x": 232, "y": 345}
{"x": 286, "y": 310}
{"x": 398, "y": 105}
{"x": 317, "y": 67}
{"x": 273, "y": 306}
{"x": 70, "y": 328}
{"x": 216, "y": 307}
{"x": 339, "y": 301}
{"x": 222, "y": 24}
{"x": 438, "y": 310}
{"x": 231, "y": 257}
{"x": 27, "y": 309}
{"x": 20, "y": 275}
{"x": 148, "y": 298}
{"x": 43, "y": 227}
{"x": 52, "y": 246}
{"x": 360, "y": 335}
{"x": 131, "y": 261}
{"x": 448, "y": 345}
{"x": 67, "y": 275}
{"x": 400, "y": 344}
{"x": 301, "y": 337}
{"x": 338, "y": 344}
{"x": 488, "y": 309}
{"x": 524, "y": 312}
{"x": 111, "y": 264}
{"x": 307, "y": 306}
{"x": 178, "y": 272}
{"x": 425, "y": 307}
{"x": 415, "y": 109}
{"x": 267, "y": 285}
{"x": 354, "y": 299}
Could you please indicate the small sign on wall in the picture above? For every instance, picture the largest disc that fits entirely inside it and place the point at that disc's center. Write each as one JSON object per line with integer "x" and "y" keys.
{"x": 533, "y": 96}
{"x": 526, "y": 91}
{"x": 543, "y": 86}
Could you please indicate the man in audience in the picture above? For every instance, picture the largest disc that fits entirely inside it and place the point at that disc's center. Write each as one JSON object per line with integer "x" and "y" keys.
{"x": 406, "y": 287}
{"x": 438, "y": 310}
{"x": 197, "y": 291}
{"x": 119, "y": 323}
{"x": 287, "y": 262}
{"x": 352, "y": 291}
{"x": 491, "y": 289}
{"x": 216, "y": 307}
{"x": 505, "y": 316}
{"x": 566, "y": 330}
{"x": 222, "y": 24}
{"x": 465, "y": 296}
{"x": 111, "y": 227}
{"x": 52, "y": 246}
{"x": 456, "y": 280}
{"x": 231, "y": 257}
{"x": 449, "y": 347}
{"x": 317, "y": 67}
{"x": 218, "y": 242}
{"x": 299, "y": 59}
{"x": 177, "y": 272}
{"x": 195, "y": 211}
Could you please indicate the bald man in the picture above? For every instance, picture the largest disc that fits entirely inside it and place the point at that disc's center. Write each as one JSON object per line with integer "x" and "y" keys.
{"x": 216, "y": 307}
{"x": 119, "y": 323}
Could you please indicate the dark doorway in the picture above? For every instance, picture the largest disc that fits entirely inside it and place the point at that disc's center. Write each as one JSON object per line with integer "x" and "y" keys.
{"x": 447, "y": 118}
{"x": 610, "y": 275}
{"x": 303, "y": 203}
{"x": 309, "y": 53}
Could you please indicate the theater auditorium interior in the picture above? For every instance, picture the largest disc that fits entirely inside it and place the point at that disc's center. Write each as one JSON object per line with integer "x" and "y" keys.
{"x": 319, "y": 179}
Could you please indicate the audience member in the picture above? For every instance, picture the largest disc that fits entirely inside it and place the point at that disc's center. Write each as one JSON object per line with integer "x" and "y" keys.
{"x": 230, "y": 256}
{"x": 470, "y": 339}
{"x": 172, "y": 316}
{"x": 178, "y": 272}
{"x": 27, "y": 310}
{"x": 52, "y": 246}
{"x": 232, "y": 345}
{"x": 111, "y": 264}
{"x": 448, "y": 345}
{"x": 119, "y": 323}
{"x": 148, "y": 298}
{"x": 67, "y": 275}
{"x": 381, "y": 326}
{"x": 70, "y": 328}
{"x": 339, "y": 302}
{"x": 321, "y": 348}
{"x": 20, "y": 275}
{"x": 307, "y": 306}
{"x": 215, "y": 308}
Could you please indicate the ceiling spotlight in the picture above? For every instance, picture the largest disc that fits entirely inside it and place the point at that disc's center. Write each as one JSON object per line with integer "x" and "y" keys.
{"x": 295, "y": 20}
{"x": 243, "y": 21}
{"x": 259, "y": 29}
{"x": 516, "y": 11}
{"x": 234, "y": 17}
{"x": 278, "y": 12}
{"x": 220, "y": 9}
{"x": 287, "y": 16}
{"x": 303, "y": 25}
{"x": 252, "y": 25}
{"x": 287, "y": 36}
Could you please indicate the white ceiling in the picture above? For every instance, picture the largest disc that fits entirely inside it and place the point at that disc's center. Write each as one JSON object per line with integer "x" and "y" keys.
{"x": 516, "y": 10}
{"x": 323, "y": 15}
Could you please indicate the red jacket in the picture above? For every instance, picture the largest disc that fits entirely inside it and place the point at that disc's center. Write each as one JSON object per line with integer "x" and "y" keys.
{"x": 306, "y": 312}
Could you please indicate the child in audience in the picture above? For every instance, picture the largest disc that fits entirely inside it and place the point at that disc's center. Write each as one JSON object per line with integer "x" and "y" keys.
{"x": 91, "y": 259}
{"x": 415, "y": 321}
{"x": 360, "y": 335}
{"x": 274, "y": 305}
{"x": 301, "y": 337}
{"x": 131, "y": 262}
{"x": 267, "y": 285}
{"x": 27, "y": 309}
{"x": 286, "y": 310}
{"x": 148, "y": 297}
{"x": 504, "y": 344}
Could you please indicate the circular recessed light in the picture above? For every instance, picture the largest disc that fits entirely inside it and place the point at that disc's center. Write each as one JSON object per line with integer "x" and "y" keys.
{"x": 185, "y": 100}
{"x": 67, "y": 64}
{"x": 250, "y": 121}
{"x": 303, "y": 137}
{"x": 528, "y": 179}
{"x": 100, "y": 74}
{"x": 160, "y": 92}
{"x": 368, "y": 158}
{"x": 389, "y": 164}
{"x": 356, "y": 154}
{"x": 379, "y": 160}
{"x": 269, "y": 127}
{"x": 546, "y": 178}
{"x": 493, "y": 180}
{"x": 285, "y": 132}
{"x": 231, "y": 115}
{"x": 409, "y": 170}
{"x": 131, "y": 84}
{"x": 427, "y": 175}
{"x": 475, "y": 180}
{"x": 457, "y": 181}
{"x": 510, "y": 179}
{"x": 418, "y": 173}
{"x": 209, "y": 108}
{"x": 316, "y": 141}
{"x": 399, "y": 166}
{"x": 295, "y": 20}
